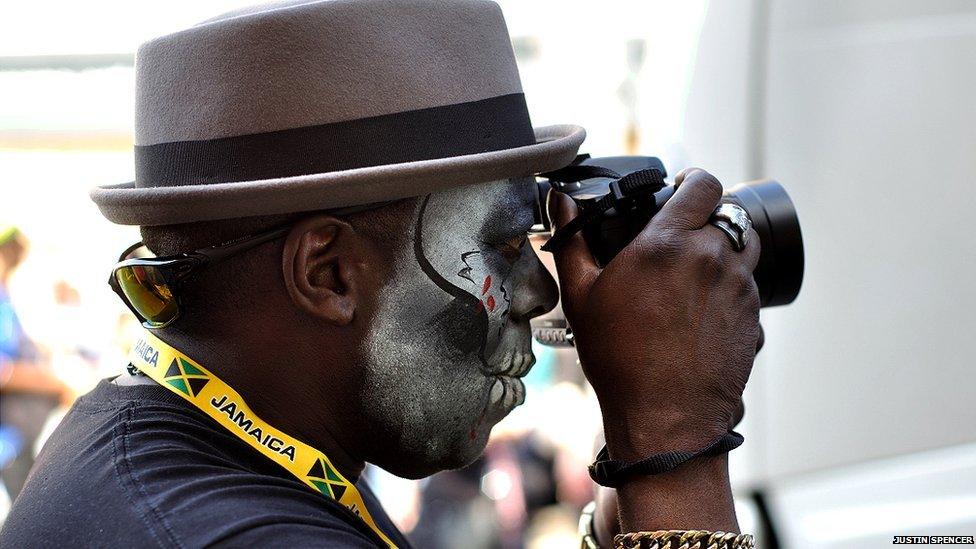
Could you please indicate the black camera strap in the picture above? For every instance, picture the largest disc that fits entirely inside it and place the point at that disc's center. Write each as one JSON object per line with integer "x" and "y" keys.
{"x": 614, "y": 472}
{"x": 623, "y": 190}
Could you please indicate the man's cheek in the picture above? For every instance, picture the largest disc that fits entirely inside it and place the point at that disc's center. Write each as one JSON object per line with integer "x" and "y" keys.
{"x": 486, "y": 282}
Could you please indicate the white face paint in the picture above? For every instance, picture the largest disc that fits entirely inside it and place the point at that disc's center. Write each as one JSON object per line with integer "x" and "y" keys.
{"x": 452, "y": 335}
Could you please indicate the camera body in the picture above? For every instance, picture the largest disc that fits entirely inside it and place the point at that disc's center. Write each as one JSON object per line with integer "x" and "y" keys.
{"x": 615, "y": 227}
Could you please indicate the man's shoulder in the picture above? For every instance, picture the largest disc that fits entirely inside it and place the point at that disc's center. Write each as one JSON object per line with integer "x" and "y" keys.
{"x": 122, "y": 468}
{"x": 79, "y": 481}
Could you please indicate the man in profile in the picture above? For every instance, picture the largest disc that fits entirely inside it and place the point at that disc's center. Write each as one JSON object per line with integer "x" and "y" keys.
{"x": 338, "y": 195}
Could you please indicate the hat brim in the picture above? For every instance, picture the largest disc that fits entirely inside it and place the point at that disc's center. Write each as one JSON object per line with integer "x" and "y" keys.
{"x": 126, "y": 204}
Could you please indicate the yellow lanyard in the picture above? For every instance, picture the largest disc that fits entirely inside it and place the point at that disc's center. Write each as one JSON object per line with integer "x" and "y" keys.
{"x": 200, "y": 387}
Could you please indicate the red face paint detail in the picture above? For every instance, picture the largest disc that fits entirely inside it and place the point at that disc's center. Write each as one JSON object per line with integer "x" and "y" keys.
{"x": 491, "y": 303}
{"x": 486, "y": 286}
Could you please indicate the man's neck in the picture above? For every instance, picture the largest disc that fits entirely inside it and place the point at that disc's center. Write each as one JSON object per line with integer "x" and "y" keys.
{"x": 284, "y": 402}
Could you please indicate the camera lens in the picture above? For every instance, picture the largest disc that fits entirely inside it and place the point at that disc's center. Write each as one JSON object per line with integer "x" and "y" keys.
{"x": 779, "y": 273}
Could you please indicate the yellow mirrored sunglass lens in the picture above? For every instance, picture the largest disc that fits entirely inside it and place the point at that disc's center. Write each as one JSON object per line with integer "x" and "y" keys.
{"x": 148, "y": 293}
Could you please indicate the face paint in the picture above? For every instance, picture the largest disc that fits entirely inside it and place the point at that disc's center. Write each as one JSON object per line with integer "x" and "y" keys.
{"x": 446, "y": 348}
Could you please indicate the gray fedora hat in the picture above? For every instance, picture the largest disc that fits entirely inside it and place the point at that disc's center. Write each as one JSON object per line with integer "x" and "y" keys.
{"x": 316, "y": 105}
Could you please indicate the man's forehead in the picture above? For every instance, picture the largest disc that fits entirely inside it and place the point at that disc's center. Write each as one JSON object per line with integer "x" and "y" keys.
{"x": 493, "y": 199}
{"x": 507, "y": 201}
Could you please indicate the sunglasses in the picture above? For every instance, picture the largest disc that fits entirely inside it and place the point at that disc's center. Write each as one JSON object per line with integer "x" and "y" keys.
{"x": 150, "y": 286}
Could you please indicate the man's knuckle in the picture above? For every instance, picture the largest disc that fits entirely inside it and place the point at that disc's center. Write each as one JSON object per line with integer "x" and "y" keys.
{"x": 639, "y": 248}
{"x": 753, "y": 238}
{"x": 744, "y": 277}
{"x": 711, "y": 262}
{"x": 715, "y": 268}
{"x": 713, "y": 251}
{"x": 751, "y": 298}
{"x": 707, "y": 183}
{"x": 665, "y": 242}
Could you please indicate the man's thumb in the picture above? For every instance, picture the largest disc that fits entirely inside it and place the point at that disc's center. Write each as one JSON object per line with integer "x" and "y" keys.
{"x": 575, "y": 264}
{"x": 561, "y": 208}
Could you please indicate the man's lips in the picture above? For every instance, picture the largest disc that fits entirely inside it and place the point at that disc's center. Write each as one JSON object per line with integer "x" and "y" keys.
{"x": 513, "y": 363}
{"x": 506, "y": 393}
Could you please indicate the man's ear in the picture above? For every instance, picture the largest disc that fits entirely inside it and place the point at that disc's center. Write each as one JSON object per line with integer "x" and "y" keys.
{"x": 319, "y": 267}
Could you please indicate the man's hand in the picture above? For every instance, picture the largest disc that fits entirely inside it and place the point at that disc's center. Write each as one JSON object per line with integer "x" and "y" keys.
{"x": 667, "y": 332}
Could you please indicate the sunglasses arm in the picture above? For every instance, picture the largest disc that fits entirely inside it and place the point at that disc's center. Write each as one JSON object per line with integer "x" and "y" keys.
{"x": 241, "y": 245}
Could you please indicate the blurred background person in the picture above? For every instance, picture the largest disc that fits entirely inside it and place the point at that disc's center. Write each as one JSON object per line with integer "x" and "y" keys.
{"x": 29, "y": 392}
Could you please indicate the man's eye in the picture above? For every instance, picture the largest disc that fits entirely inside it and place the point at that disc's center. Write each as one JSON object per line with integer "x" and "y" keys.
{"x": 511, "y": 249}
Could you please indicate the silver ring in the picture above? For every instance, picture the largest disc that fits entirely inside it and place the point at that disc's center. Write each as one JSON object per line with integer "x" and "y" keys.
{"x": 735, "y": 222}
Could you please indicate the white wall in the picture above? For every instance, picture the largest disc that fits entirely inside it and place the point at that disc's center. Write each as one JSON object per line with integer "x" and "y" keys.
{"x": 868, "y": 116}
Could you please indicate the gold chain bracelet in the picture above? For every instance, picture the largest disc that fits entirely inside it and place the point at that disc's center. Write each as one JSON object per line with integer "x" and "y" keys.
{"x": 683, "y": 539}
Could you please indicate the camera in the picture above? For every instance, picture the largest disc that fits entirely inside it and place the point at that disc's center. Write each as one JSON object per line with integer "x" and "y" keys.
{"x": 617, "y": 196}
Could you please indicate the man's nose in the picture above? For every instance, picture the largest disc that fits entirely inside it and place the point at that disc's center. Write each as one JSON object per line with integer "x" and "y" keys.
{"x": 536, "y": 292}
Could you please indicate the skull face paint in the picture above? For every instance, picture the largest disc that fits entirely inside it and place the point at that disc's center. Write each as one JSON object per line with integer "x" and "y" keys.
{"x": 452, "y": 336}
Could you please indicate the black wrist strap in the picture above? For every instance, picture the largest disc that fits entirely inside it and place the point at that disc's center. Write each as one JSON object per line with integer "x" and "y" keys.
{"x": 614, "y": 472}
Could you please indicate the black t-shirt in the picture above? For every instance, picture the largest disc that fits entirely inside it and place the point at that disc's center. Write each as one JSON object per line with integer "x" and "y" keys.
{"x": 137, "y": 466}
